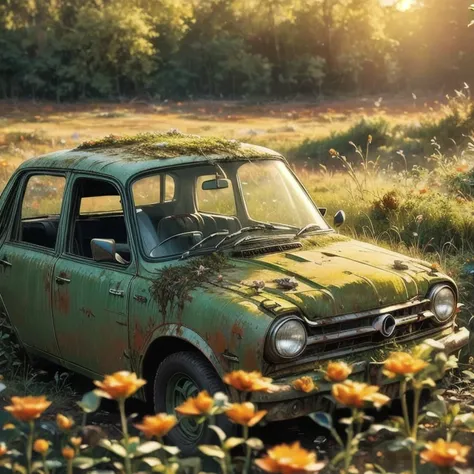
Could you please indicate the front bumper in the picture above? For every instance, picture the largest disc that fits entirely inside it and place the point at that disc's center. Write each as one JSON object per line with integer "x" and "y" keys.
{"x": 287, "y": 403}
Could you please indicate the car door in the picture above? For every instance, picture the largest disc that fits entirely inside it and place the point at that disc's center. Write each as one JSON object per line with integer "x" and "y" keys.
{"x": 28, "y": 256}
{"x": 90, "y": 299}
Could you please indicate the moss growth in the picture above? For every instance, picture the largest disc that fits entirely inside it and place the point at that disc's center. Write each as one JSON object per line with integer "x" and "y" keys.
{"x": 173, "y": 285}
{"x": 173, "y": 144}
{"x": 323, "y": 240}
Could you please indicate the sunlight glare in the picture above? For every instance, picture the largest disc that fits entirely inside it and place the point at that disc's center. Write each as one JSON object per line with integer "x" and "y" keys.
{"x": 405, "y": 4}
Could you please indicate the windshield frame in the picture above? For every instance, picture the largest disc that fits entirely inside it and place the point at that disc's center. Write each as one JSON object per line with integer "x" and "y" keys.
{"x": 238, "y": 195}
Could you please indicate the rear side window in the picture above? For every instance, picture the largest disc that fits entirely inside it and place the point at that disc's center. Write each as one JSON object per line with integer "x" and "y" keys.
{"x": 43, "y": 196}
{"x": 37, "y": 221}
{"x": 215, "y": 201}
{"x": 154, "y": 189}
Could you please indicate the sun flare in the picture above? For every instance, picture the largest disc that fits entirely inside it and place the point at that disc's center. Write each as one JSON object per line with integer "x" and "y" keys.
{"x": 404, "y": 5}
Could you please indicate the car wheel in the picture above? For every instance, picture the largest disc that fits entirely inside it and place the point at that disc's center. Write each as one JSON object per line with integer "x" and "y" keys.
{"x": 180, "y": 376}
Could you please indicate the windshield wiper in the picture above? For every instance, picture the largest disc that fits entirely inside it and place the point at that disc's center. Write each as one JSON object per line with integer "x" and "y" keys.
{"x": 199, "y": 244}
{"x": 308, "y": 228}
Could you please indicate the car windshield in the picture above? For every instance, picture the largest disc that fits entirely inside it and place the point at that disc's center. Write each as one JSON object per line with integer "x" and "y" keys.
{"x": 208, "y": 206}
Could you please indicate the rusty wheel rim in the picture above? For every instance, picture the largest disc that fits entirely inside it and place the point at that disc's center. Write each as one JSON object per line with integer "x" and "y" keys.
{"x": 180, "y": 388}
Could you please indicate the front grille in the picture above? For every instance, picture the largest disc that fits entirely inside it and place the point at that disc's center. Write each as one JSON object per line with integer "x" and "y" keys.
{"x": 357, "y": 331}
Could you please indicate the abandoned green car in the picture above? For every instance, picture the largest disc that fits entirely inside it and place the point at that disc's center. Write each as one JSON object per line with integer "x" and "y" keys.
{"x": 182, "y": 258}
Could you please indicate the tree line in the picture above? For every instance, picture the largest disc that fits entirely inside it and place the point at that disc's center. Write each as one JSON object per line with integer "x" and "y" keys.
{"x": 77, "y": 49}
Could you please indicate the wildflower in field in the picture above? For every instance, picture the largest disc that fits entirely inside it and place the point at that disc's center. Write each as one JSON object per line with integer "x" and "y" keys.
{"x": 423, "y": 191}
{"x": 304, "y": 384}
{"x": 202, "y": 404}
{"x": 119, "y": 385}
{"x": 402, "y": 363}
{"x": 444, "y": 454}
{"x": 245, "y": 414}
{"x": 248, "y": 381}
{"x": 289, "y": 459}
{"x": 157, "y": 425}
{"x": 68, "y": 453}
{"x": 41, "y": 446}
{"x": 75, "y": 441}
{"x": 333, "y": 152}
{"x": 64, "y": 422}
{"x": 9, "y": 426}
{"x": 27, "y": 408}
{"x": 356, "y": 394}
{"x": 369, "y": 139}
{"x": 3, "y": 449}
{"x": 338, "y": 371}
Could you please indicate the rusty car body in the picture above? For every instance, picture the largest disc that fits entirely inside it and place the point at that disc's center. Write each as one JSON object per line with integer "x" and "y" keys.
{"x": 182, "y": 258}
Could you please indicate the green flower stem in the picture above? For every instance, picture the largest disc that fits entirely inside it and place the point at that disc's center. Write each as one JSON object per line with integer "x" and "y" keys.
{"x": 403, "y": 399}
{"x": 416, "y": 407}
{"x": 350, "y": 437}
{"x": 414, "y": 431}
{"x": 29, "y": 447}
{"x": 69, "y": 466}
{"x": 123, "y": 419}
{"x": 45, "y": 467}
{"x": 248, "y": 451}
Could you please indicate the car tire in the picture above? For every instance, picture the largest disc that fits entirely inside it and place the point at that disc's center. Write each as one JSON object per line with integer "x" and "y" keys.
{"x": 180, "y": 376}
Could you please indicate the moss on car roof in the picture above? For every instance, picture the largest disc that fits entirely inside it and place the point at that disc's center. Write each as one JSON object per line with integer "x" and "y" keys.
{"x": 173, "y": 144}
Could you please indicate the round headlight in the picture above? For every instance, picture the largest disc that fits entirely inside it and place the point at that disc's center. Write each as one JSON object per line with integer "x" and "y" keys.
{"x": 287, "y": 339}
{"x": 443, "y": 302}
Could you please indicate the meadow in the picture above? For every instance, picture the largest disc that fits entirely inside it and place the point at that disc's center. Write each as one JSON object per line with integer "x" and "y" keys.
{"x": 400, "y": 167}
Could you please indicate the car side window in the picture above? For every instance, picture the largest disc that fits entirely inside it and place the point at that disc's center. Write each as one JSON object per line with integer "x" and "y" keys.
{"x": 37, "y": 219}
{"x": 97, "y": 213}
{"x": 154, "y": 189}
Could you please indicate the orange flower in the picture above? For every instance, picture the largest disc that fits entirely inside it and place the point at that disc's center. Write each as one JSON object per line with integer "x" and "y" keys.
{"x": 248, "y": 381}
{"x": 119, "y": 385}
{"x": 338, "y": 371}
{"x": 304, "y": 384}
{"x": 423, "y": 191}
{"x": 332, "y": 152}
{"x": 3, "y": 449}
{"x": 289, "y": 459}
{"x": 356, "y": 394}
{"x": 245, "y": 414}
{"x": 75, "y": 441}
{"x": 64, "y": 422}
{"x": 402, "y": 363}
{"x": 68, "y": 453}
{"x": 41, "y": 446}
{"x": 27, "y": 408}
{"x": 444, "y": 454}
{"x": 200, "y": 405}
{"x": 158, "y": 425}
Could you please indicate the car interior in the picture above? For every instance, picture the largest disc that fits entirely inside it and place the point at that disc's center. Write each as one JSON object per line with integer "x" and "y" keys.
{"x": 166, "y": 229}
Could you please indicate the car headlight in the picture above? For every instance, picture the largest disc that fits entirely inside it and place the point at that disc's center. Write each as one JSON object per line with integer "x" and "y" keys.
{"x": 287, "y": 339}
{"x": 443, "y": 302}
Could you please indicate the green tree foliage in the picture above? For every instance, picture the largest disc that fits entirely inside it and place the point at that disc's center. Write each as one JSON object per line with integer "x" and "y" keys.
{"x": 72, "y": 49}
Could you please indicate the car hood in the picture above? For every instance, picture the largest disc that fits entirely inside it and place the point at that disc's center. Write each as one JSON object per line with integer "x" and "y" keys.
{"x": 344, "y": 276}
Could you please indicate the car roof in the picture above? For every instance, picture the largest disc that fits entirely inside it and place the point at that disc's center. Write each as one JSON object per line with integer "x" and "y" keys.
{"x": 125, "y": 156}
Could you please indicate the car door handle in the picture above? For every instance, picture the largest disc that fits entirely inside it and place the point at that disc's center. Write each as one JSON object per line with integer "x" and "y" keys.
{"x": 5, "y": 263}
{"x": 62, "y": 280}
{"x": 115, "y": 292}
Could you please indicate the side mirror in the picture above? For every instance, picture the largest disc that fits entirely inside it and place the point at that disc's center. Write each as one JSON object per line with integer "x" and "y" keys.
{"x": 339, "y": 218}
{"x": 323, "y": 210}
{"x": 219, "y": 183}
{"x": 103, "y": 250}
